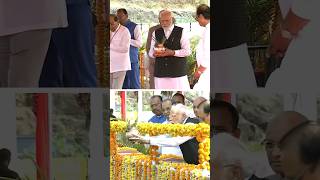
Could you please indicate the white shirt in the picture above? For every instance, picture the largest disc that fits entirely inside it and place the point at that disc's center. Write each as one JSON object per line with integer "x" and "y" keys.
{"x": 24, "y": 15}
{"x": 169, "y": 141}
{"x": 184, "y": 41}
{"x": 119, "y": 50}
{"x": 307, "y": 9}
{"x": 137, "y": 41}
{"x": 203, "y": 48}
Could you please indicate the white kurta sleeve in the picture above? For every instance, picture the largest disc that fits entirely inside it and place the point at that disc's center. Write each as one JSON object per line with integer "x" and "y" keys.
{"x": 306, "y": 9}
{"x": 168, "y": 141}
{"x": 137, "y": 41}
{"x": 185, "y": 46}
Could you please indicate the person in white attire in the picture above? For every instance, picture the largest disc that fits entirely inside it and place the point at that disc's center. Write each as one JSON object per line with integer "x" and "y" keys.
{"x": 25, "y": 31}
{"x": 119, "y": 52}
{"x": 203, "y": 49}
{"x": 296, "y": 41}
{"x": 170, "y": 46}
{"x": 232, "y": 68}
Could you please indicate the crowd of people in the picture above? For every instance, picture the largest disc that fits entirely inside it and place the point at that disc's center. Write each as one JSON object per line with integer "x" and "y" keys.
{"x": 174, "y": 111}
{"x": 291, "y": 145}
{"x": 167, "y": 48}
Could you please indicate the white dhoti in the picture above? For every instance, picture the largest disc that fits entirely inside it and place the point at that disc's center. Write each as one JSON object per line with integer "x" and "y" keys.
{"x": 232, "y": 69}
{"x": 178, "y": 83}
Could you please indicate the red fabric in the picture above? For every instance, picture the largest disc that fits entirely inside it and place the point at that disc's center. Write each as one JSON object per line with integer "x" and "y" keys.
{"x": 227, "y": 97}
{"x": 123, "y": 105}
{"x": 42, "y": 135}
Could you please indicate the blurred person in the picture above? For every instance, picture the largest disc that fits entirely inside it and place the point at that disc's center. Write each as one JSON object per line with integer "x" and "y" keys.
{"x": 70, "y": 61}
{"x": 5, "y": 172}
{"x": 225, "y": 118}
{"x": 231, "y": 160}
{"x": 119, "y": 52}
{"x": 132, "y": 79}
{"x": 280, "y": 125}
{"x": 166, "y": 107}
{"x": 231, "y": 63}
{"x": 207, "y": 112}
{"x": 170, "y": 46}
{"x": 202, "y": 73}
{"x": 25, "y": 30}
{"x": 178, "y": 98}
{"x": 151, "y": 60}
{"x": 300, "y": 149}
{"x": 196, "y": 102}
{"x": 188, "y": 145}
{"x": 295, "y": 41}
{"x": 156, "y": 108}
{"x": 201, "y": 113}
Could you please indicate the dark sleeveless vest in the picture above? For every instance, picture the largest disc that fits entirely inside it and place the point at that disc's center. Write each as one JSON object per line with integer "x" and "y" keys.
{"x": 190, "y": 148}
{"x": 170, "y": 67}
{"x": 230, "y": 23}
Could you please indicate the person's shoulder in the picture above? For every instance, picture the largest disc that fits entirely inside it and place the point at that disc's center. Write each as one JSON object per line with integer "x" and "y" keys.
{"x": 178, "y": 27}
{"x": 193, "y": 120}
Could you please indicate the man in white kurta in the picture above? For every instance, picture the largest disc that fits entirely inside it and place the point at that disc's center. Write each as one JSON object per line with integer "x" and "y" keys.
{"x": 181, "y": 82}
{"x": 25, "y": 30}
{"x": 119, "y": 52}
{"x": 203, "y": 50}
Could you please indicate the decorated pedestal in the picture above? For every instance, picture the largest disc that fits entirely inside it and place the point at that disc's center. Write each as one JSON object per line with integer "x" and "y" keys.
{"x": 128, "y": 163}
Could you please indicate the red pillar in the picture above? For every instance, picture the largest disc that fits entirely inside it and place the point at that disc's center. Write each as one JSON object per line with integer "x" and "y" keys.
{"x": 123, "y": 105}
{"x": 42, "y": 135}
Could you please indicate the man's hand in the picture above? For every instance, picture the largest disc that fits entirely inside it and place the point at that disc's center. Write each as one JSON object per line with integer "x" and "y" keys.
{"x": 198, "y": 72}
{"x": 165, "y": 53}
{"x": 279, "y": 44}
{"x": 139, "y": 139}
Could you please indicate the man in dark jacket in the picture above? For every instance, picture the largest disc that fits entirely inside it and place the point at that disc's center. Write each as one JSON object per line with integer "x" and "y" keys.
{"x": 5, "y": 172}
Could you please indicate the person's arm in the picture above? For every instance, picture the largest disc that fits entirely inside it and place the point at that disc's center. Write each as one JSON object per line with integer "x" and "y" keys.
{"x": 153, "y": 42}
{"x": 185, "y": 46}
{"x": 168, "y": 141}
{"x": 124, "y": 45}
{"x": 137, "y": 41}
{"x": 149, "y": 39}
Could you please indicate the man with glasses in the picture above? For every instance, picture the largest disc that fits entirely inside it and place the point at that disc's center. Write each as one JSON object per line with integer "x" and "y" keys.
{"x": 276, "y": 130}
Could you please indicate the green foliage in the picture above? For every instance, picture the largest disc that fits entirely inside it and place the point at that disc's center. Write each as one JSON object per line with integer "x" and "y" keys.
{"x": 191, "y": 60}
{"x": 262, "y": 16}
{"x": 146, "y": 11}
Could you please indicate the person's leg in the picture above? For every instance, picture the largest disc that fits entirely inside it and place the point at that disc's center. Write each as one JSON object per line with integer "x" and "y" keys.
{"x": 151, "y": 73}
{"x": 126, "y": 82}
{"x": 4, "y": 60}
{"x": 77, "y": 46}
{"x": 28, "y": 52}
{"x": 51, "y": 75}
{"x": 135, "y": 77}
{"x": 118, "y": 79}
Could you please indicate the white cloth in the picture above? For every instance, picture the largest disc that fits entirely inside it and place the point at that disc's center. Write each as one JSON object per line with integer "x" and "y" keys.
{"x": 168, "y": 141}
{"x": 119, "y": 50}
{"x": 300, "y": 66}
{"x": 178, "y": 83}
{"x": 284, "y": 7}
{"x": 232, "y": 69}
{"x": 137, "y": 41}
{"x": 184, "y": 41}
{"x": 18, "y": 15}
{"x": 203, "y": 59}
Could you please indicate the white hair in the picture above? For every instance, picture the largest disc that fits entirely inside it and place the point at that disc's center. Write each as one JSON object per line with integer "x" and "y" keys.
{"x": 180, "y": 108}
